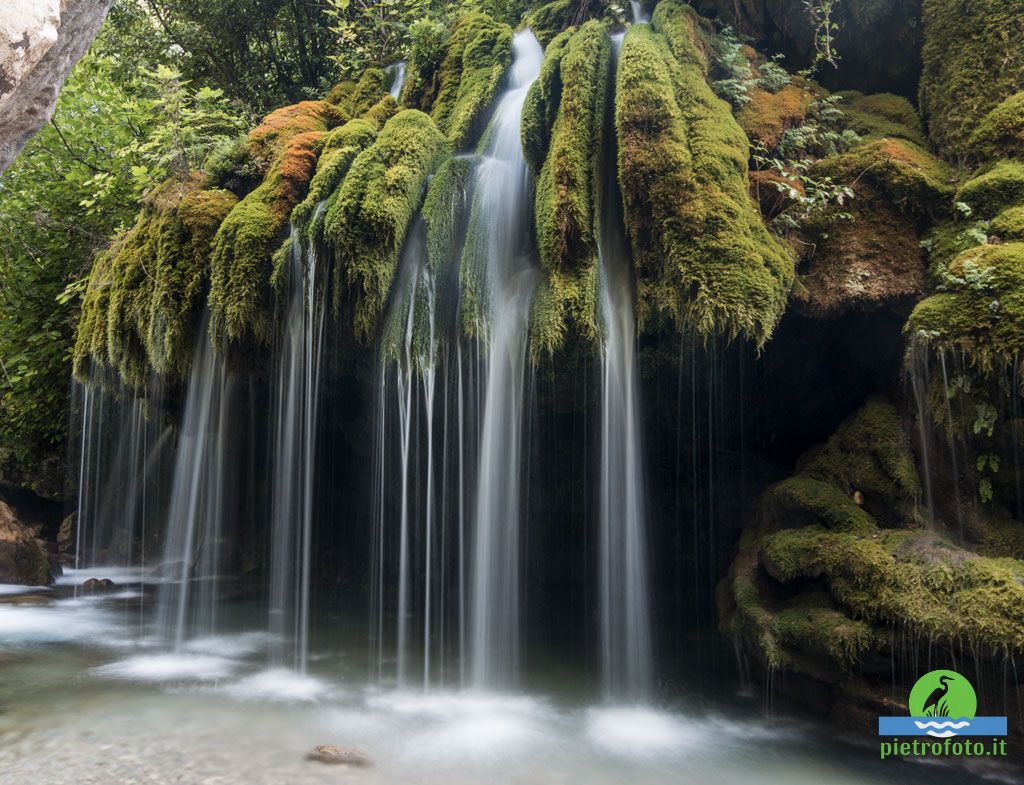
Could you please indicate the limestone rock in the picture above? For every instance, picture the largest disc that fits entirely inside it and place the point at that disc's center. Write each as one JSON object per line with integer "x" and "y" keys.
{"x": 40, "y": 42}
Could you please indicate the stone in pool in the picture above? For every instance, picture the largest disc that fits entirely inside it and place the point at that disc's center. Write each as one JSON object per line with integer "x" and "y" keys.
{"x": 344, "y": 756}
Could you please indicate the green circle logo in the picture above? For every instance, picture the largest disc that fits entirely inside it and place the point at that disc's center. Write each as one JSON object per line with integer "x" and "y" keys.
{"x": 943, "y": 694}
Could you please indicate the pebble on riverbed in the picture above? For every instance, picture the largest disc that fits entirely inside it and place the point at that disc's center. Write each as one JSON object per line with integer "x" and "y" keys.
{"x": 345, "y": 756}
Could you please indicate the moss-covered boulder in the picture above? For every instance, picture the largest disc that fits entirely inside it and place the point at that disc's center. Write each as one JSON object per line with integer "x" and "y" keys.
{"x": 703, "y": 256}
{"x": 980, "y": 308}
{"x": 838, "y": 558}
{"x": 141, "y": 307}
{"x": 479, "y": 51}
{"x": 767, "y": 116}
{"x": 1000, "y": 134}
{"x": 998, "y": 187}
{"x": 366, "y": 224}
{"x": 882, "y": 115}
{"x": 973, "y": 60}
{"x": 354, "y": 99}
{"x": 1009, "y": 224}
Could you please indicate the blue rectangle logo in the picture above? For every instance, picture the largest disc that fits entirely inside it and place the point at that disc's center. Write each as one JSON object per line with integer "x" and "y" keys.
{"x": 941, "y": 727}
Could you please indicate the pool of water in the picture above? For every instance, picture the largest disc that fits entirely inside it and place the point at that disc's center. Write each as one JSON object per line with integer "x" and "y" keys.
{"x": 87, "y": 697}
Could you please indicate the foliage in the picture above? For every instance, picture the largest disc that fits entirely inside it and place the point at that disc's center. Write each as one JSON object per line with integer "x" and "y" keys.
{"x": 123, "y": 122}
{"x": 822, "y": 15}
{"x": 372, "y": 32}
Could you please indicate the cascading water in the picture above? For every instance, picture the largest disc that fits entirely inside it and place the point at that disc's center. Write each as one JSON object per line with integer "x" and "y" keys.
{"x": 295, "y": 432}
{"x": 625, "y": 611}
{"x": 501, "y": 212}
{"x": 640, "y": 16}
{"x": 187, "y": 603}
{"x": 397, "y": 73}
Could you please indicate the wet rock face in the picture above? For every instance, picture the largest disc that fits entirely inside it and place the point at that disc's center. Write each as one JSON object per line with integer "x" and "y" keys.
{"x": 23, "y": 560}
{"x": 40, "y": 42}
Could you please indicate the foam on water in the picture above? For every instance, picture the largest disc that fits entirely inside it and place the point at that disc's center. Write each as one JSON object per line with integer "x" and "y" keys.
{"x": 11, "y": 589}
{"x": 279, "y": 685}
{"x": 163, "y": 668}
{"x": 68, "y": 622}
{"x": 639, "y": 732}
{"x": 231, "y": 646}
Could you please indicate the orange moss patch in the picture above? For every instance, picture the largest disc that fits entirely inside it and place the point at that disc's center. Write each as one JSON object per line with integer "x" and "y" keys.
{"x": 767, "y": 116}
{"x": 282, "y": 125}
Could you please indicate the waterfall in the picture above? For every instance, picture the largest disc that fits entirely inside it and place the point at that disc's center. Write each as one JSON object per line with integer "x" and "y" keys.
{"x": 187, "y": 603}
{"x": 502, "y": 213}
{"x": 640, "y": 16}
{"x": 296, "y": 397}
{"x": 397, "y": 73}
{"x": 624, "y": 602}
{"x": 119, "y": 450}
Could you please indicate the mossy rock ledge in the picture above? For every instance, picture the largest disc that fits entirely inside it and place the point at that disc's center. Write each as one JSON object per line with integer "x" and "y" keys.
{"x": 840, "y": 558}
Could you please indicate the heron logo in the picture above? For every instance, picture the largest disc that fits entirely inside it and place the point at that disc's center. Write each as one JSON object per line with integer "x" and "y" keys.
{"x": 942, "y": 705}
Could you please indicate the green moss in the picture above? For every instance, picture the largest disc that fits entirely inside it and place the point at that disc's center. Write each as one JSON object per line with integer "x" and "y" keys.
{"x": 444, "y": 211}
{"x": 354, "y": 99}
{"x": 1009, "y": 224}
{"x": 367, "y": 223}
{"x": 567, "y": 193}
{"x": 869, "y": 453}
{"x": 944, "y": 243}
{"x": 478, "y": 53}
{"x": 272, "y": 136}
{"x": 767, "y": 116}
{"x": 241, "y": 297}
{"x": 1000, "y": 134}
{"x": 909, "y": 177}
{"x": 998, "y": 188}
{"x": 973, "y": 59}
{"x": 182, "y": 277}
{"x": 703, "y": 256}
{"x": 542, "y": 100}
{"x": 882, "y": 115}
{"x": 805, "y": 501}
{"x": 140, "y": 310}
{"x": 549, "y": 20}
{"x": 341, "y": 146}
{"x": 981, "y": 311}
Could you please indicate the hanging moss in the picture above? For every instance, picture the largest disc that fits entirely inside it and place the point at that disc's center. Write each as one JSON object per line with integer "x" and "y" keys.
{"x": 341, "y": 146}
{"x": 479, "y": 51}
{"x": 882, "y": 115}
{"x": 973, "y": 59}
{"x": 367, "y": 223}
{"x": 140, "y": 310}
{"x": 182, "y": 277}
{"x": 981, "y": 311}
{"x": 444, "y": 212}
{"x": 567, "y": 200}
{"x": 241, "y": 297}
{"x": 1000, "y": 134}
{"x": 541, "y": 104}
{"x": 998, "y": 188}
{"x": 548, "y": 21}
{"x": 703, "y": 256}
